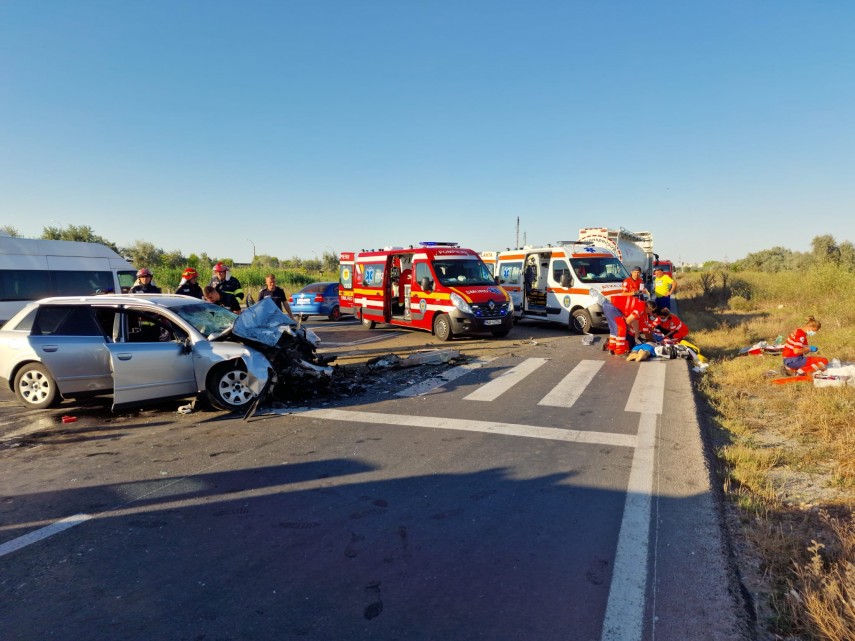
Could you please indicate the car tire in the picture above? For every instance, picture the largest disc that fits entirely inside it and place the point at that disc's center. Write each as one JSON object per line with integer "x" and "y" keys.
{"x": 335, "y": 314}
{"x": 35, "y": 387}
{"x": 226, "y": 387}
{"x": 442, "y": 327}
{"x": 580, "y": 321}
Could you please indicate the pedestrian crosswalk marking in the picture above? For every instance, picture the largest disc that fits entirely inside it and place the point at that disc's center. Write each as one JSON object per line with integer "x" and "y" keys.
{"x": 506, "y": 380}
{"x": 434, "y": 384}
{"x": 568, "y": 391}
{"x": 468, "y": 425}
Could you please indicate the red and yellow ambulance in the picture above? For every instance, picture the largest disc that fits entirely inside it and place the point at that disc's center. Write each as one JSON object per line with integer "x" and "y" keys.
{"x": 438, "y": 287}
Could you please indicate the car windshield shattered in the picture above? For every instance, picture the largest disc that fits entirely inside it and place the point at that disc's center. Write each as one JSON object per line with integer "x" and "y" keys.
{"x": 206, "y": 317}
{"x": 463, "y": 272}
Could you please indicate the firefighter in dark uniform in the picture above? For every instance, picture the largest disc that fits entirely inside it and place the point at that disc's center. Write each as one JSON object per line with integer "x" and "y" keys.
{"x": 223, "y": 299}
{"x": 144, "y": 284}
{"x": 224, "y": 283}
{"x": 189, "y": 285}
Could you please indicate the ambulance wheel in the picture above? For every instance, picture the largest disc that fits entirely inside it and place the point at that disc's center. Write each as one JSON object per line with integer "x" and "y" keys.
{"x": 368, "y": 324}
{"x": 442, "y": 327}
{"x": 581, "y": 321}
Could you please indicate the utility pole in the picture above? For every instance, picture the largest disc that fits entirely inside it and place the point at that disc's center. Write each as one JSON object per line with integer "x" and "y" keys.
{"x": 518, "y": 234}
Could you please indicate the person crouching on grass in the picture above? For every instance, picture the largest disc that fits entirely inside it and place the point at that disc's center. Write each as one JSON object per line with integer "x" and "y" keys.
{"x": 797, "y": 348}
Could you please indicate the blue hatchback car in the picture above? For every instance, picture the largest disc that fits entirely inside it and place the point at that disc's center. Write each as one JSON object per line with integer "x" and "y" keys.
{"x": 317, "y": 299}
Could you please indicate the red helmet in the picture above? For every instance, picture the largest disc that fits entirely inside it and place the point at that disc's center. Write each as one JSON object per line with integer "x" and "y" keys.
{"x": 219, "y": 267}
{"x": 190, "y": 273}
{"x": 143, "y": 272}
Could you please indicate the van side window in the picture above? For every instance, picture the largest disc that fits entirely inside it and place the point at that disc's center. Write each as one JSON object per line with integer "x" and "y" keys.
{"x": 72, "y": 283}
{"x": 422, "y": 271}
{"x": 372, "y": 274}
{"x": 511, "y": 273}
{"x": 24, "y": 284}
{"x": 76, "y": 320}
{"x": 559, "y": 268}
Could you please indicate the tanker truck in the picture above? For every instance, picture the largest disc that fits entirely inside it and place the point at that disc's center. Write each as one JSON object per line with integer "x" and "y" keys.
{"x": 633, "y": 248}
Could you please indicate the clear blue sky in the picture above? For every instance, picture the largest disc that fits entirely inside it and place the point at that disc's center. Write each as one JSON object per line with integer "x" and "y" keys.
{"x": 723, "y": 127}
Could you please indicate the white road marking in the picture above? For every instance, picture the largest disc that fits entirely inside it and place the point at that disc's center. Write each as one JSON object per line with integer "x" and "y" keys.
{"x": 568, "y": 391}
{"x": 624, "y": 617}
{"x": 648, "y": 389}
{"x": 466, "y": 425}
{"x": 370, "y": 339}
{"x": 505, "y": 381}
{"x": 42, "y": 533}
{"x": 434, "y": 384}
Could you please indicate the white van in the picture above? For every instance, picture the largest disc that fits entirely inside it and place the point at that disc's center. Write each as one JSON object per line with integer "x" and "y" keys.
{"x": 553, "y": 283}
{"x": 31, "y": 269}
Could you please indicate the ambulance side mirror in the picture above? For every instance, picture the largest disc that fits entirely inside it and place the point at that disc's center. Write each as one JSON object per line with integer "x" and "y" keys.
{"x": 565, "y": 279}
{"x": 498, "y": 280}
{"x": 426, "y": 284}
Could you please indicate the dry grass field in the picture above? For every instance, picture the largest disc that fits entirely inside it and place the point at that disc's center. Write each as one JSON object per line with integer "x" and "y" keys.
{"x": 786, "y": 453}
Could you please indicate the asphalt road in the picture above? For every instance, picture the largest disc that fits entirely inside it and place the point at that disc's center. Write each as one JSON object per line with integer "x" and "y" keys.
{"x": 540, "y": 490}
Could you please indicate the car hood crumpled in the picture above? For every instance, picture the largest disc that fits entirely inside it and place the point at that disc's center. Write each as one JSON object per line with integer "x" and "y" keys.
{"x": 264, "y": 323}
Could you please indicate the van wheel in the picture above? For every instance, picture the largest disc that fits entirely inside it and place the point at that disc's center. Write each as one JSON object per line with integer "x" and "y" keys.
{"x": 367, "y": 323}
{"x": 35, "y": 387}
{"x": 226, "y": 387}
{"x": 581, "y": 321}
{"x": 335, "y": 314}
{"x": 442, "y": 327}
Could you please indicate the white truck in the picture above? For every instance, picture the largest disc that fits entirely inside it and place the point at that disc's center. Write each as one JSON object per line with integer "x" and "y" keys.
{"x": 633, "y": 248}
{"x": 31, "y": 269}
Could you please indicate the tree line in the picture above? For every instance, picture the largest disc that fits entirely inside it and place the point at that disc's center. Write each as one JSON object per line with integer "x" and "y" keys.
{"x": 145, "y": 254}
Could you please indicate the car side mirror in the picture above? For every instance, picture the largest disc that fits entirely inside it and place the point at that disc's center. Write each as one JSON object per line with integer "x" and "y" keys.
{"x": 497, "y": 280}
{"x": 426, "y": 284}
{"x": 565, "y": 279}
{"x": 186, "y": 346}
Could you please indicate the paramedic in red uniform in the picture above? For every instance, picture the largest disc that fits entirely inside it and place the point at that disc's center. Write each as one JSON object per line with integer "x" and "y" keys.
{"x": 633, "y": 284}
{"x": 670, "y": 325}
{"x": 796, "y": 350}
{"x": 622, "y": 312}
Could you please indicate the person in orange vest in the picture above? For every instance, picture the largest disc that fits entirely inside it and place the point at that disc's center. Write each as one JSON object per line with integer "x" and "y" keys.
{"x": 797, "y": 348}
{"x": 670, "y": 325}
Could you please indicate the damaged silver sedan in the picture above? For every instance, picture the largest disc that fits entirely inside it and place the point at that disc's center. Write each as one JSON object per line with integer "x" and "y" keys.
{"x": 149, "y": 348}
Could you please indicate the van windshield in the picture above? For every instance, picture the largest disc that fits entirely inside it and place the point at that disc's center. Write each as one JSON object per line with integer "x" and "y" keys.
{"x": 469, "y": 271}
{"x": 599, "y": 270}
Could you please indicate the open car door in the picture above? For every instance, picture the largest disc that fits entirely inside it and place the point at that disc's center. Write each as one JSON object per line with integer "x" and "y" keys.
{"x": 150, "y": 360}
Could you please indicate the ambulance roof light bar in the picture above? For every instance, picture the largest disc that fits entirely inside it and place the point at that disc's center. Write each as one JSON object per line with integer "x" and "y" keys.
{"x": 436, "y": 243}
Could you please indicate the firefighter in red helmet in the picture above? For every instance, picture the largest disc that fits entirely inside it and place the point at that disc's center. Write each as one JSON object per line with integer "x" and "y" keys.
{"x": 144, "y": 284}
{"x": 225, "y": 283}
{"x": 189, "y": 285}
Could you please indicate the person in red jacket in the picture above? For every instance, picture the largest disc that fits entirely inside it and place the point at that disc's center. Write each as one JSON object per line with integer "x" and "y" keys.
{"x": 623, "y": 313}
{"x": 633, "y": 284}
{"x": 797, "y": 348}
{"x": 670, "y": 325}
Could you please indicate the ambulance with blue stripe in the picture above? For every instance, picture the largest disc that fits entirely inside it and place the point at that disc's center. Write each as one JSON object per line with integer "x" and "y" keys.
{"x": 438, "y": 287}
